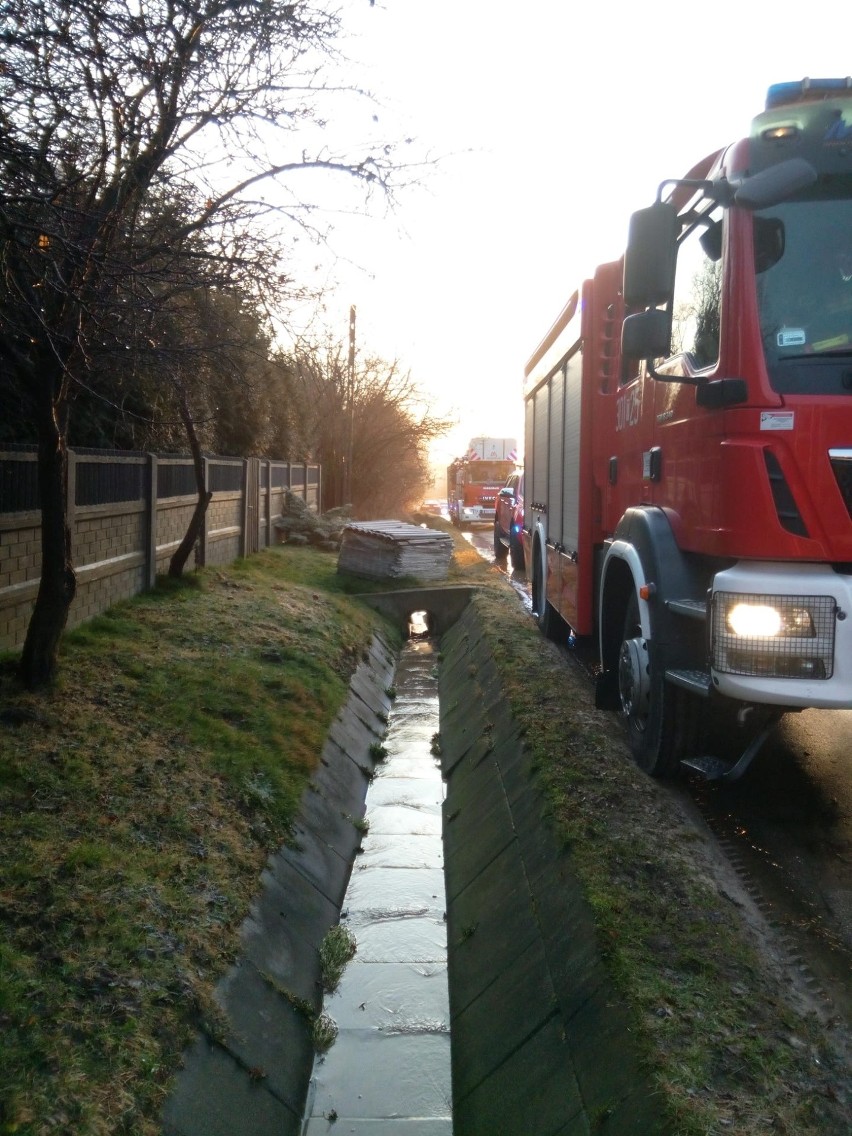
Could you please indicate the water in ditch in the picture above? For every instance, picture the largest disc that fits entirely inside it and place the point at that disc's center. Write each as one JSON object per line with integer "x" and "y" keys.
{"x": 388, "y": 1072}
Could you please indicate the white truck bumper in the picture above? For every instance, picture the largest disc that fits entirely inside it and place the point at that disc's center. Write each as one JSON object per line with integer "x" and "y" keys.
{"x": 782, "y": 634}
{"x": 475, "y": 514}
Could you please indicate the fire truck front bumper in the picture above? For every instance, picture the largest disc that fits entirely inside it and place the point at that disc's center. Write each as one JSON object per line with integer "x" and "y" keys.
{"x": 476, "y": 514}
{"x": 782, "y": 634}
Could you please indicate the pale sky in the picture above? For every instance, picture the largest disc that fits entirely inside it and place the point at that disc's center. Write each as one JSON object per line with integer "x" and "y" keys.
{"x": 558, "y": 119}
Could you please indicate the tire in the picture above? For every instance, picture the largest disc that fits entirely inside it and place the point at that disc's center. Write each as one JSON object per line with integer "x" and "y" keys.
{"x": 500, "y": 550}
{"x": 663, "y": 721}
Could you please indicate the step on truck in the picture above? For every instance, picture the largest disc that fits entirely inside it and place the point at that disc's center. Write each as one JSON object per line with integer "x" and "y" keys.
{"x": 688, "y": 445}
{"x": 474, "y": 480}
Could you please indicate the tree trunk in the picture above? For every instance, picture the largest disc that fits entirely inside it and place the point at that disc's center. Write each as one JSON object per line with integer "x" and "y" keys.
{"x": 181, "y": 554}
{"x": 58, "y": 584}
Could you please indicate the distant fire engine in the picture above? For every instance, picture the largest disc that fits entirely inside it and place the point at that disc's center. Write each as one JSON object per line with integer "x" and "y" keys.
{"x": 473, "y": 481}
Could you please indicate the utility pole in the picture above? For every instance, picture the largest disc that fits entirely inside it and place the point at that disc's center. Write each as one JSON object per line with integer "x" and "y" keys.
{"x": 347, "y": 473}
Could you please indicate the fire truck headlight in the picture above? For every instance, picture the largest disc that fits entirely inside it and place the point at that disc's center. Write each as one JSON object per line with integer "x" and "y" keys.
{"x": 753, "y": 621}
{"x": 762, "y": 621}
{"x": 776, "y": 636}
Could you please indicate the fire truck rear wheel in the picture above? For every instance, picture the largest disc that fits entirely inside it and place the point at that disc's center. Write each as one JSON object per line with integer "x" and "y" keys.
{"x": 658, "y": 714}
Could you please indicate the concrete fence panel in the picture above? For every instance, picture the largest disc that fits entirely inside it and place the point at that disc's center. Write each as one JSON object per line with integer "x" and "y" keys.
{"x": 128, "y": 513}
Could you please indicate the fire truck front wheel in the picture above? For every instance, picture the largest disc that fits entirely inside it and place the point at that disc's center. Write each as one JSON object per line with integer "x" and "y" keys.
{"x": 658, "y": 715}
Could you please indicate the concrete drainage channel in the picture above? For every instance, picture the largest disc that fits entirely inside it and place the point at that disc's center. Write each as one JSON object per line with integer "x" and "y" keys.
{"x": 539, "y": 1044}
{"x": 388, "y": 1071}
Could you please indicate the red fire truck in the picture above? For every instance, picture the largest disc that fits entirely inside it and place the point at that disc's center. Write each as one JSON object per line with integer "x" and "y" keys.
{"x": 473, "y": 481}
{"x": 688, "y": 444}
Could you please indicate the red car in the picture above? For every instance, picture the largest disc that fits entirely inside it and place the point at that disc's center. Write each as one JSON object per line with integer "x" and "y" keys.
{"x": 509, "y": 521}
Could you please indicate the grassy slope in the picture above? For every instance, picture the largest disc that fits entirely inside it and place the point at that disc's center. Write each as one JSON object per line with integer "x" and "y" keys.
{"x": 138, "y": 802}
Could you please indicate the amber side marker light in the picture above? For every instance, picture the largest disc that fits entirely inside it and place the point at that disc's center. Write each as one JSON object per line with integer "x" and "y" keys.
{"x": 781, "y": 133}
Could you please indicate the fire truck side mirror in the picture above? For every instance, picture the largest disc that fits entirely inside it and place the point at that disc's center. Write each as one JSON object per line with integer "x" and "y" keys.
{"x": 647, "y": 335}
{"x": 649, "y": 260}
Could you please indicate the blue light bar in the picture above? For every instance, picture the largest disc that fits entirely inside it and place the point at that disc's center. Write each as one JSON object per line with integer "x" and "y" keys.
{"x": 780, "y": 94}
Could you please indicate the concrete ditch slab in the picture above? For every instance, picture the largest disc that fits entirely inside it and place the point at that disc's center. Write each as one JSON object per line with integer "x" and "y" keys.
{"x": 381, "y": 1077}
{"x": 406, "y": 1127}
{"x": 267, "y": 1035}
{"x": 396, "y": 891}
{"x": 216, "y": 1096}
{"x": 483, "y": 803}
{"x": 425, "y": 795}
{"x": 489, "y": 926}
{"x": 533, "y": 1092}
{"x": 403, "y": 821}
{"x": 334, "y": 819}
{"x": 393, "y": 997}
{"x": 401, "y": 850}
{"x": 288, "y": 918}
{"x": 417, "y": 939}
{"x": 526, "y": 1001}
{"x": 315, "y": 859}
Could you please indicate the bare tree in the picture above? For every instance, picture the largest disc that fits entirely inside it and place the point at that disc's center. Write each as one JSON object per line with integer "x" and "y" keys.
{"x": 112, "y": 112}
{"x": 378, "y": 416}
{"x": 211, "y": 353}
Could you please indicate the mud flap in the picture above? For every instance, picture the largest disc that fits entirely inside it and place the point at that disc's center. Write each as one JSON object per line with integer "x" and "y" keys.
{"x": 607, "y": 696}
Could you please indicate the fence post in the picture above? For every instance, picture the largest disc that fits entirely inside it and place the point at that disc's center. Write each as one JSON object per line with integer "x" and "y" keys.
{"x": 202, "y": 536}
{"x": 255, "y": 466}
{"x": 151, "y": 522}
{"x": 244, "y": 511}
{"x": 268, "y": 503}
{"x": 71, "y": 499}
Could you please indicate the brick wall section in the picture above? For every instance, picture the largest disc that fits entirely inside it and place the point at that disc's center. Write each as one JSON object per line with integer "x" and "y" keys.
{"x": 170, "y": 524}
{"x": 118, "y": 549}
{"x": 224, "y": 528}
{"x": 108, "y": 547}
{"x": 20, "y": 561}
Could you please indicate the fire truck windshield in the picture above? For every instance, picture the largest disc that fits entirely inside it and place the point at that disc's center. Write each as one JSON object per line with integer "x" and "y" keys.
{"x": 484, "y": 471}
{"x": 803, "y": 264}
